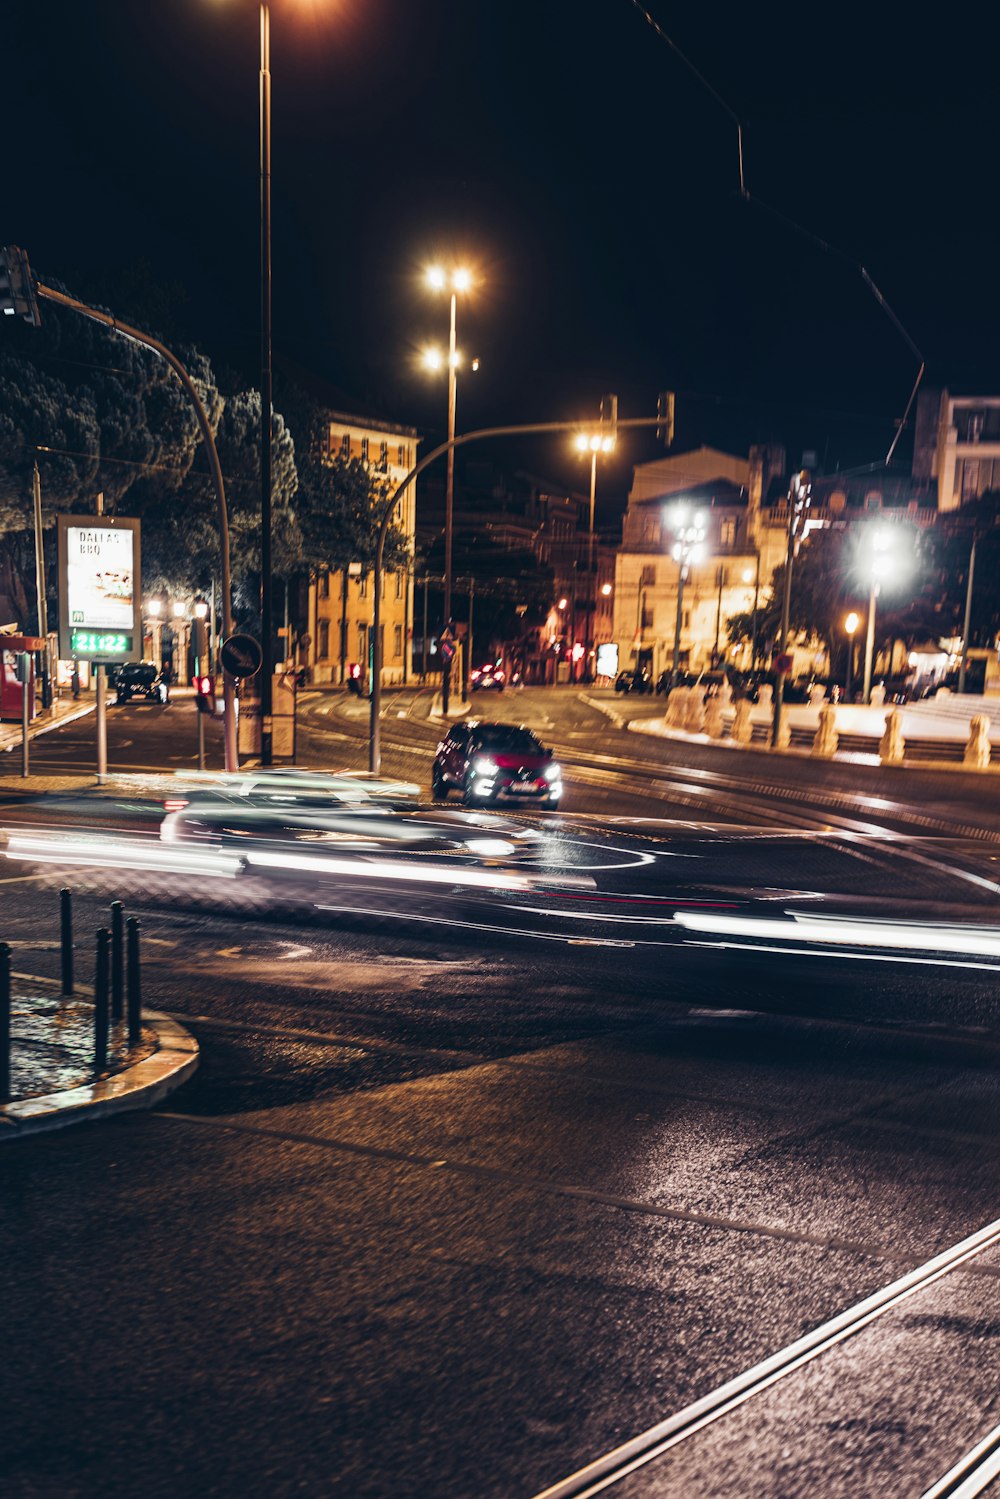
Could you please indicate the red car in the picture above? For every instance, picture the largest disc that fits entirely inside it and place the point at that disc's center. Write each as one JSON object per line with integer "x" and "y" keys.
{"x": 491, "y": 762}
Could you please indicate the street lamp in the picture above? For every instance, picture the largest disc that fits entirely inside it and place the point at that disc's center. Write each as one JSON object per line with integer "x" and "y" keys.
{"x": 457, "y": 280}
{"x": 593, "y": 443}
{"x": 688, "y": 547}
{"x": 850, "y": 625}
{"x": 881, "y": 564}
{"x": 754, "y": 576}
{"x": 266, "y": 622}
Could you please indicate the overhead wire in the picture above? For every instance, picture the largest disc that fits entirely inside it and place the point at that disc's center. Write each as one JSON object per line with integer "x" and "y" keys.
{"x": 748, "y": 197}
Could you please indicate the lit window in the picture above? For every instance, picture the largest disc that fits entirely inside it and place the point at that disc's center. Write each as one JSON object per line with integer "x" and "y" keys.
{"x": 401, "y": 455}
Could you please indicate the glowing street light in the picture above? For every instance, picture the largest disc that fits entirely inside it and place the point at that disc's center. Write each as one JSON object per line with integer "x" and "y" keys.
{"x": 851, "y": 626}
{"x": 882, "y": 563}
{"x": 689, "y": 546}
{"x": 606, "y": 590}
{"x": 459, "y": 279}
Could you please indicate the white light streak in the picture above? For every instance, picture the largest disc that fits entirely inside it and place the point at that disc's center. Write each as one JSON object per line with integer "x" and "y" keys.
{"x": 984, "y": 941}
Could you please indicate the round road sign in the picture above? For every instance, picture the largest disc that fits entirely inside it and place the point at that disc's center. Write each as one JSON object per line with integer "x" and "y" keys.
{"x": 241, "y": 656}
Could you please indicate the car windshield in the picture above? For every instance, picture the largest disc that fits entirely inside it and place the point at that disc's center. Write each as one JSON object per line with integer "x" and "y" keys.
{"x": 514, "y": 741}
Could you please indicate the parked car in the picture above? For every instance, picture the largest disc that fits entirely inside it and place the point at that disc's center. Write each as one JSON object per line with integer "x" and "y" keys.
{"x": 143, "y": 680}
{"x": 490, "y": 762}
{"x": 487, "y": 679}
{"x": 665, "y": 681}
{"x": 634, "y": 681}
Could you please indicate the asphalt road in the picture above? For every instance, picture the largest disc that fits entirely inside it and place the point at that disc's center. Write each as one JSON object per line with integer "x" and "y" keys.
{"x": 462, "y": 1198}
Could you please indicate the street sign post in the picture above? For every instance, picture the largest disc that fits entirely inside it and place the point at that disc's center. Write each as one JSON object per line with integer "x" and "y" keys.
{"x": 241, "y": 656}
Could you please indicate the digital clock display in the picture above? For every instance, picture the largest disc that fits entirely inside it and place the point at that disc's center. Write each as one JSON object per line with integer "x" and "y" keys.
{"x": 100, "y": 643}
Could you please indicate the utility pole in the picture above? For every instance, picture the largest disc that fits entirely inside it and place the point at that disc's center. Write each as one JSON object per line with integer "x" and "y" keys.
{"x": 968, "y": 618}
{"x": 423, "y": 661}
{"x": 43, "y": 608}
{"x": 266, "y": 684}
{"x": 799, "y": 495}
{"x": 467, "y": 672}
{"x": 101, "y": 696}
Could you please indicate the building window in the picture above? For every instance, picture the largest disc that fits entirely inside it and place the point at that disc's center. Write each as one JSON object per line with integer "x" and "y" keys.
{"x": 399, "y": 585}
{"x": 364, "y": 450}
{"x": 647, "y": 618}
{"x": 648, "y": 578}
{"x": 324, "y": 585}
{"x": 401, "y": 455}
{"x": 397, "y": 640}
{"x": 324, "y": 639}
{"x": 727, "y": 533}
{"x": 873, "y": 500}
{"x": 362, "y": 643}
{"x": 345, "y": 445}
{"x": 383, "y": 455}
{"x": 686, "y": 622}
{"x": 363, "y": 586}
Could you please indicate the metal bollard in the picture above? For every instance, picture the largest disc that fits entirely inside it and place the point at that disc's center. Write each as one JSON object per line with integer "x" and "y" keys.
{"x": 66, "y": 936}
{"x": 117, "y": 960}
{"x": 4, "y": 1023}
{"x": 101, "y": 1001}
{"x": 134, "y": 989}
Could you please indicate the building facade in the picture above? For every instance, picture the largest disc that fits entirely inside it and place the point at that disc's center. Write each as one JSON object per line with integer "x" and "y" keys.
{"x": 956, "y": 446}
{"x": 341, "y": 604}
{"x": 743, "y": 507}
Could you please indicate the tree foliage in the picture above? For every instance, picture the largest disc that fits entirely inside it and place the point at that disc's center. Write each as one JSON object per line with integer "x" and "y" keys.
{"x": 99, "y": 412}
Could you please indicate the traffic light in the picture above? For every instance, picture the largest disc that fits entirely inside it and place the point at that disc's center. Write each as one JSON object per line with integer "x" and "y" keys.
{"x": 204, "y": 694}
{"x": 17, "y": 289}
{"x": 609, "y": 415}
{"x": 665, "y": 417}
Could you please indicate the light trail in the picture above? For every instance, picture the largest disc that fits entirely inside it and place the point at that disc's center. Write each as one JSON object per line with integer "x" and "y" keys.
{"x": 831, "y": 930}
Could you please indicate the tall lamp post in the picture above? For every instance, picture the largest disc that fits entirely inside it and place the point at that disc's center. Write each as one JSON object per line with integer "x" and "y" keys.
{"x": 688, "y": 547}
{"x": 850, "y": 625}
{"x": 880, "y": 565}
{"x": 266, "y": 621}
{"x": 438, "y": 279}
{"x": 968, "y": 617}
{"x": 592, "y": 443}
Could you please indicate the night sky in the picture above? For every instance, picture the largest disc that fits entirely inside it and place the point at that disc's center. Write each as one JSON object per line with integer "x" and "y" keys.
{"x": 563, "y": 150}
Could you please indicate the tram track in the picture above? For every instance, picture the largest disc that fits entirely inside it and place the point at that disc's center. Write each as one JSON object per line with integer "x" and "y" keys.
{"x": 657, "y": 1441}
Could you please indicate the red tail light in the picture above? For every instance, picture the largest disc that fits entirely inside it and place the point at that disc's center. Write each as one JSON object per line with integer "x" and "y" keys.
{"x": 175, "y": 804}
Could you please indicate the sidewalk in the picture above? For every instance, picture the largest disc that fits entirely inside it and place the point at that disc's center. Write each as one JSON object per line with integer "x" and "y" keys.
{"x": 53, "y": 1082}
{"x": 933, "y": 734}
{"x": 63, "y": 710}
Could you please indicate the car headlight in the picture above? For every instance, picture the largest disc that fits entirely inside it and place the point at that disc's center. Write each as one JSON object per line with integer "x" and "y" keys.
{"x": 484, "y": 766}
{"x": 552, "y": 773}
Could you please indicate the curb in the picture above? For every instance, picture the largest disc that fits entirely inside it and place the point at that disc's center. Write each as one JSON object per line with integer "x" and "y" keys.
{"x": 138, "y": 1087}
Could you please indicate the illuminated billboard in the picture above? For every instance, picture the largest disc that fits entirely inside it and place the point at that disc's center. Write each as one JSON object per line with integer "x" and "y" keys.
{"x": 100, "y": 579}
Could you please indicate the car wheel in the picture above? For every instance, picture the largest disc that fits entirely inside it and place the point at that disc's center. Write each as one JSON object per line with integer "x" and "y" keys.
{"x": 439, "y": 788}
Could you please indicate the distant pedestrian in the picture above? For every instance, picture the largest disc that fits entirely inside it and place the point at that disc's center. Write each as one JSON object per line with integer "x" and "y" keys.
{"x": 76, "y": 679}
